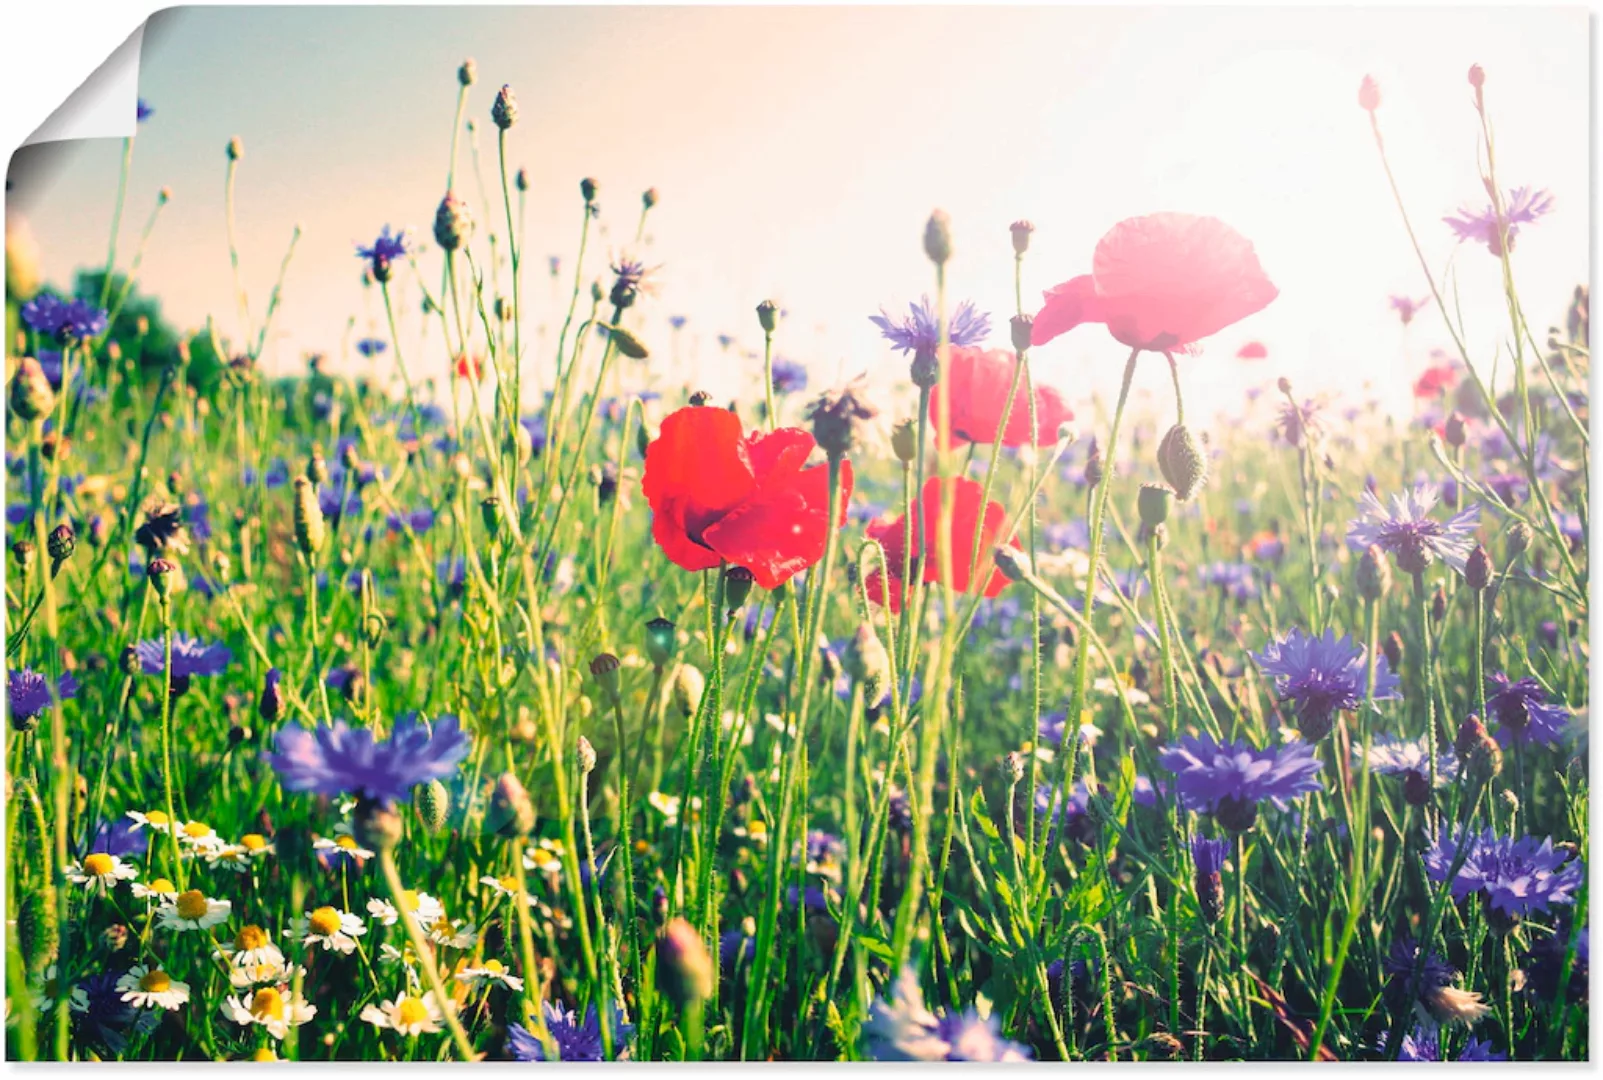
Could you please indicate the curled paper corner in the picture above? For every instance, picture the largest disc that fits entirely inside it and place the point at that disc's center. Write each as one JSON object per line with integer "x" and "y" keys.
{"x": 104, "y": 104}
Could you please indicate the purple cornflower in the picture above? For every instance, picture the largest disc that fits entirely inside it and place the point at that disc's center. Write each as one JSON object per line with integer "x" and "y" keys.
{"x": 143, "y": 111}
{"x": 1514, "y": 876}
{"x": 81, "y": 321}
{"x": 45, "y": 314}
{"x": 1521, "y": 206}
{"x": 1408, "y": 531}
{"x": 628, "y": 282}
{"x": 383, "y": 251}
{"x": 122, "y": 838}
{"x": 919, "y": 334}
{"x": 1407, "y": 307}
{"x": 790, "y": 377}
{"x": 1229, "y": 780}
{"x": 1237, "y": 580}
{"x": 419, "y": 520}
{"x": 734, "y": 946}
{"x": 1208, "y": 856}
{"x": 1479, "y": 1050}
{"x": 677, "y": 321}
{"x": 1546, "y": 966}
{"x": 1321, "y": 676}
{"x": 370, "y": 347}
{"x": 345, "y": 760}
{"x": 105, "y": 1015}
{"x": 575, "y": 1041}
{"x": 28, "y": 693}
{"x": 1301, "y": 424}
{"x": 901, "y": 1028}
{"x": 191, "y": 657}
{"x": 1524, "y": 715}
{"x": 1408, "y": 758}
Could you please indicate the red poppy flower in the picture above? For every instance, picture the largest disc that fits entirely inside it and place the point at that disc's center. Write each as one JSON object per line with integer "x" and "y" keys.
{"x": 1161, "y": 282}
{"x": 1253, "y": 350}
{"x": 980, "y": 380}
{"x": 466, "y": 366}
{"x": 718, "y": 494}
{"x": 926, "y": 561}
{"x": 1436, "y": 380}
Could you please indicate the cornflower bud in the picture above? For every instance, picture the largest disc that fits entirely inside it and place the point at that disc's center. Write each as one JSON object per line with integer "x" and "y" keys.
{"x": 684, "y": 968}
{"x": 587, "y": 756}
{"x": 588, "y": 188}
{"x": 1393, "y": 648}
{"x": 1374, "y": 574}
{"x": 309, "y": 532}
{"x": 1453, "y": 430}
{"x": 1519, "y": 540}
{"x": 904, "y": 441}
{"x": 62, "y": 543}
{"x": 453, "y": 223}
{"x": 1093, "y": 465}
{"x": 1438, "y": 604}
{"x": 1021, "y": 326}
{"x": 160, "y": 572}
{"x": 521, "y": 181}
{"x": 31, "y": 395}
{"x": 648, "y": 198}
{"x": 505, "y": 110}
{"x": 236, "y": 149}
{"x": 1478, "y": 568}
{"x": 468, "y": 73}
{"x": 316, "y": 468}
{"x": 938, "y": 237}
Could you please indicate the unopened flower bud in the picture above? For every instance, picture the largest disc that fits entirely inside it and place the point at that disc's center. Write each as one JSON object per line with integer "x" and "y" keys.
{"x": 587, "y": 756}
{"x": 1094, "y": 470}
{"x": 270, "y": 703}
{"x": 236, "y": 149}
{"x": 128, "y": 661}
{"x": 938, "y": 237}
{"x": 1453, "y": 430}
{"x": 659, "y": 906}
{"x": 700, "y": 398}
{"x": 904, "y": 441}
{"x": 1438, "y": 604}
{"x": 521, "y": 182}
{"x": 1478, "y": 568}
{"x": 648, "y": 198}
{"x": 688, "y": 685}
{"x": 1236, "y": 814}
{"x": 1416, "y": 788}
{"x": 1013, "y": 562}
{"x": 62, "y": 543}
{"x": 1393, "y": 648}
{"x": 505, "y": 110}
{"x": 1519, "y": 540}
{"x": 1021, "y": 231}
{"x": 433, "y": 805}
{"x": 837, "y": 415}
{"x": 309, "y": 531}
{"x": 737, "y": 586}
{"x": 490, "y": 513}
{"x": 627, "y": 343}
{"x": 768, "y": 316}
{"x": 867, "y": 662}
{"x": 31, "y": 395}
{"x": 1013, "y": 766}
{"x": 316, "y": 467}
{"x": 1183, "y": 460}
{"x": 1369, "y": 94}
{"x": 511, "y": 813}
{"x": 1153, "y": 504}
{"x": 1021, "y": 327}
{"x": 453, "y": 223}
{"x": 604, "y": 669}
{"x": 468, "y": 73}
{"x": 587, "y": 188}
{"x": 1477, "y": 77}
{"x": 662, "y": 641}
{"x": 160, "y": 572}
{"x": 1374, "y": 574}
{"x": 684, "y": 967}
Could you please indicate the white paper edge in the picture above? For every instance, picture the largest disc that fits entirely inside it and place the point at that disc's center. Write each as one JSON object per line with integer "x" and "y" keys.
{"x": 104, "y": 104}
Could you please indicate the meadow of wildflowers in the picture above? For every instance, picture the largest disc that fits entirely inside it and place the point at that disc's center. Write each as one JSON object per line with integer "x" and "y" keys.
{"x": 570, "y": 716}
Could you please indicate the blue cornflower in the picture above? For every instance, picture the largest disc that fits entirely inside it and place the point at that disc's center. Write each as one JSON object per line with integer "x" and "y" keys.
{"x": 1480, "y": 1050}
{"x": 725, "y": 340}
{"x": 1515, "y": 876}
{"x": 191, "y": 657}
{"x": 736, "y": 945}
{"x": 80, "y": 321}
{"x": 344, "y": 760}
{"x": 105, "y": 1016}
{"x": 575, "y": 1041}
{"x": 1524, "y": 715}
{"x": 1546, "y": 966}
{"x": 677, "y": 321}
{"x": 1237, "y": 580}
{"x": 901, "y": 1028}
{"x": 1321, "y": 676}
{"x": 1074, "y": 534}
{"x": 1208, "y": 856}
{"x": 45, "y": 314}
{"x": 121, "y": 838}
{"x": 383, "y": 252}
{"x": 419, "y": 520}
{"x": 1521, "y": 206}
{"x": 1229, "y": 780}
{"x": 28, "y": 693}
{"x": 1410, "y": 534}
{"x": 370, "y": 347}
{"x": 1393, "y": 756}
{"x": 143, "y": 111}
{"x": 790, "y": 377}
{"x": 918, "y": 333}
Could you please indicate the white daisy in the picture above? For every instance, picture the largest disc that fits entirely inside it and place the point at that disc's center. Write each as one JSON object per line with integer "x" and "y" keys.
{"x": 389, "y": 956}
{"x": 329, "y": 927}
{"x": 270, "y": 972}
{"x": 199, "y": 835}
{"x": 342, "y": 845}
{"x": 502, "y": 886}
{"x": 257, "y": 845}
{"x": 100, "y": 872}
{"x": 159, "y": 889}
{"x": 193, "y": 910}
{"x": 427, "y": 909}
{"x": 251, "y": 947}
{"x": 453, "y": 932}
{"x": 546, "y": 857}
{"x": 666, "y": 805}
{"x": 233, "y": 857}
{"x": 490, "y": 973}
{"x": 407, "y": 1015}
{"x": 145, "y": 988}
{"x": 271, "y": 1008}
{"x": 154, "y": 820}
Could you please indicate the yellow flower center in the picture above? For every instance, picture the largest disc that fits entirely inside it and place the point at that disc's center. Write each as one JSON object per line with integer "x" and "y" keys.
{"x": 99, "y": 864}
{"x": 155, "y": 982}
{"x": 250, "y": 938}
{"x": 264, "y": 1054}
{"x": 509, "y": 883}
{"x": 192, "y": 904}
{"x": 253, "y": 841}
{"x": 325, "y": 921}
{"x": 156, "y": 818}
{"x": 494, "y": 967}
{"x": 409, "y": 1010}
{"x": 195, "y": 830}
{"x": 268, "y": 1004}
{"x": 162, "y": 885}
{"x": 409, "y": 899}
{"x": 442, "y": 925}
{"x": 346, "y": 842}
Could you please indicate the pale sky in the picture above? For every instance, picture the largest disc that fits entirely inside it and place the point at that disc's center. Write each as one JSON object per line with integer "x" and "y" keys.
{"x": 799, "y": 150}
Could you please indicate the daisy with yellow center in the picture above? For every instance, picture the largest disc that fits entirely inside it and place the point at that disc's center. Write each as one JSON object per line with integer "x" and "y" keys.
{"x": 266, "y": 1053}
{"x": 329, "y": 927}
{"x": 407, "y": 1015}
{"x": 154, "y": 820}
{"x": 427, "y": 909}
{"x": 152, "y": 988}
{"x": 227, "y": 856}
{"x": 274, "y": 1009}
{"x": 269, "y": 972}
{"x": 199, "y": 835}
{"x": 502, "y": 886}
{"x": 193, "y": 910}
{"x": 100, "y": 872}
{"x": 490, "y": 973}
{"x": 546, "y": 857}
{"x": 257, "y": 845}
{"x": 389, "y": 956}
{"x": 251, "y": 946}
{"x": 160, "y": 889}
{"x": 453, "y": 932}
{"x": 343, "y": 846}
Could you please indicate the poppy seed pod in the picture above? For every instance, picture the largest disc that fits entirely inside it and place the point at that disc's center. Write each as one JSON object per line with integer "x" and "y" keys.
{"x": 1153, "y": 504}
{"x": 511, "y": 813}
{"x": 1183, "y": 460}
{"x": 737, "y": 586}
{"x": 1021, "y": 327}
{"x": 768, "y": 316}
{"x": 505, "y": 109}
{"x": 604, "y": 669}
{"x": 31, "y": 395}
{"x": 376, "y": 824}
{"x": 453, "y": 223}
{"x": 684, "y": 967}
{"x": 433, "y": 805}
{"x": 688, "y": 685}
{"x": 938, "y": 237}
{"x": 1374, "y": 574}
{"x": 662, "y": 641}
{"x": 1021, "y": 230}
{"x": 904, "y": 441}
{"x": 587, "y": 756}
{"x": 1478, "y": 568}
{"x": 309, "y": 532}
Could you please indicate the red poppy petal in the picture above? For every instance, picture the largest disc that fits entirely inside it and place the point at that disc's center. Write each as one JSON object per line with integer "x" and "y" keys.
{"x": 782, "y": 529}
{"x": 668, "y": 529}
{"x": 1067, "y": 306}
{"x": 778, "y": 456}
{"x": 1051, "y": 413}
{"x": 700, "y": 456}
{"x": 874, "y": 585}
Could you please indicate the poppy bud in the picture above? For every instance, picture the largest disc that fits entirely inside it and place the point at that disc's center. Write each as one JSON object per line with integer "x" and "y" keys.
{"x": 1438, "y": 604}
{"x": 1021, "y": 326}
{"x": 684, "y": 968}
{"x": 627, "y": 343}
{"x": 1519, "y": 540}
{"x": 468, "y": 73}
{"x": 1153, "y": 504}
{"x": 938, "y": 237}
{"x": 768, "y": 316}
{"x": 505, "y": 110}
{"x": 1374, "y": 574}
{"x": 31, "y": 395}
{"x": 662, "y": 641}
{"x": 688, "y": 684}
{"x": 1478, "y": 568}
{"x": 490, "y": 513}
{"x": 236, "y": 149}
{"x": 587, "y": 756}
{"x": 511, "y": 813}
{"x": 587, "y": 188}
{"x": 1012, "y": 562}
{"x": 1183, "y": 460}
{"x": 62, "y": 543}
{"x": 604, "y": 669}
{"x": 160, "y": 572}
{"x": 904, "y": 441}
{"x": 867, "y": 662}
{"x": 1393, "y": 648}
{"x": 1369, "y": 94}
{"x": 433, "y": 805}
{"x": 309, "y": 531}
{"x": 737, "y": 586}
{"x": 1453, "y": 430}
{"x": 376, "y": 824}
{"x": 453, "y": 224}
{"x": 1021, "y": 231}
